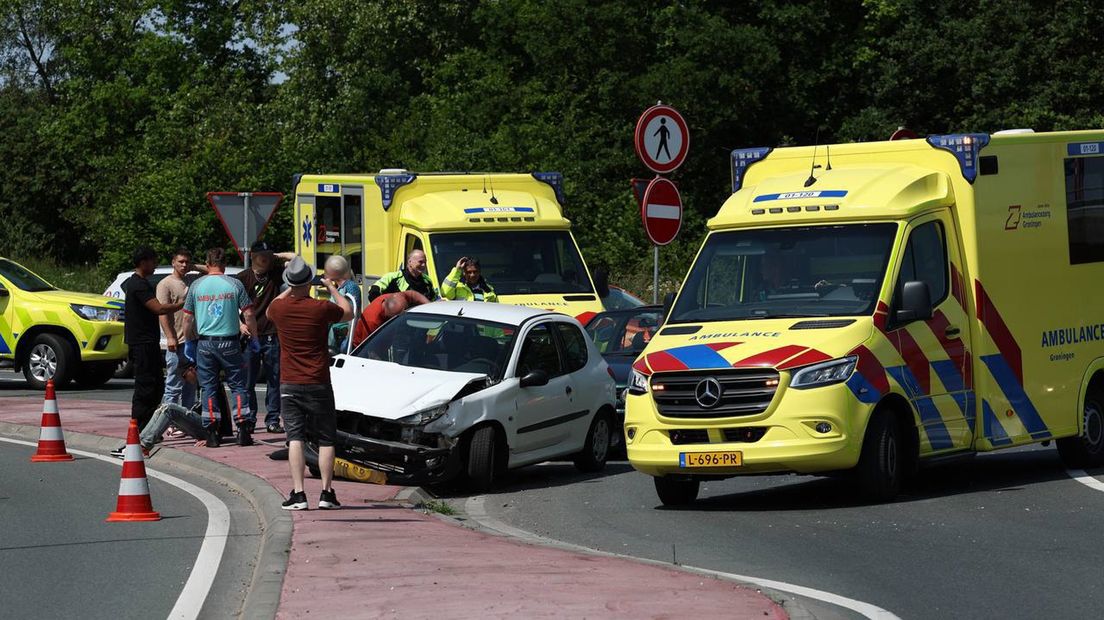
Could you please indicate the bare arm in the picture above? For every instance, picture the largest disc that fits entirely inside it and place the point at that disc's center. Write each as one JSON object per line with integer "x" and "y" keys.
{"x": 189, "y": 322}
{"x": 341, "y": 300}
{"x": 250, "y": 321}
{"x": 170, "y": 331}
{"x": 159, "y": 308}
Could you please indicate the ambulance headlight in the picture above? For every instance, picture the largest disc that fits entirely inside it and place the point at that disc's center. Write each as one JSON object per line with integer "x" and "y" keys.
{"x": 97, "y": 313}
{"x": 826, "y": 373}
{"x": 424, "y": 416}
{"x": 638, "y": 383}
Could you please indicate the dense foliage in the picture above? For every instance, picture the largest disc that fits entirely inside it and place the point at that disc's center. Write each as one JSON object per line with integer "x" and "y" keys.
{"x": 116, "y": 116}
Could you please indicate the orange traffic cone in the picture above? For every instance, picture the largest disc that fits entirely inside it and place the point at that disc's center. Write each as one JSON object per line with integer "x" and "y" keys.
{"x": 51, "y": 442}
{"x": 134, "y": 496}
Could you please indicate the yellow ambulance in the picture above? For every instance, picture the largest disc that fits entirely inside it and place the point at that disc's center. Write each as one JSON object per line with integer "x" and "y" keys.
{"x": 513, "y": 223}
{"x": 879, "y": 306}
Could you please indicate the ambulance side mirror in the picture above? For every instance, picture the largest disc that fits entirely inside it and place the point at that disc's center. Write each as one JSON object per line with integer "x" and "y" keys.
{"x": 916, "y": 302}
{"x": 668, "y": 301}
{"x": 4, "y": 292}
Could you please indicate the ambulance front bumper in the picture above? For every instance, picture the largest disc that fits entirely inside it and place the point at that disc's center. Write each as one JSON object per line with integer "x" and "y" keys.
{"x": 101, "y": 341}
{"x": 803, "y": 431}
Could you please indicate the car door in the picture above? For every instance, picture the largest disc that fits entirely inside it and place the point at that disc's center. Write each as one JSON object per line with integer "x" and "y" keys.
{"x": 582, "y": 388}
{"x": 541, "y": 409}
{"x": 934, "y": 372}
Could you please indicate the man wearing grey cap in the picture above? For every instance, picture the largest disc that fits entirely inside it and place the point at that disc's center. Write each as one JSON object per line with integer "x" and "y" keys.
{"x": 303, "y": 325}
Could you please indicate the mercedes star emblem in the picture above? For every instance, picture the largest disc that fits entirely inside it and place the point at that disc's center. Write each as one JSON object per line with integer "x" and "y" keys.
{"x": 708, "y": 392}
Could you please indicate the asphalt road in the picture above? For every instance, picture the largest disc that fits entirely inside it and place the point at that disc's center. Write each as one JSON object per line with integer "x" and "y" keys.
{"x": 59, "y": 559}
{"x": 1008, "y": 535}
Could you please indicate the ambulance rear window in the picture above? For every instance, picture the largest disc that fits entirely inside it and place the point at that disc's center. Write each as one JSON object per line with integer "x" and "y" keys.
{"x": 1085, "y": 209}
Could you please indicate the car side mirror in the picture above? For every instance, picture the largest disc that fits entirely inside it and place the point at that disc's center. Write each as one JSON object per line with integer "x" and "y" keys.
{"x": 534, "y": 378}
{"x": 668, "y": 301}
{"x": 601, "y": 282}
{"x": 916, "y": 302}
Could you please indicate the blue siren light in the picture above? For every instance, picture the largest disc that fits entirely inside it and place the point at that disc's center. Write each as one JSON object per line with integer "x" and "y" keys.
{"x": 966, "y": 147}
{"x": 741, "y": 159}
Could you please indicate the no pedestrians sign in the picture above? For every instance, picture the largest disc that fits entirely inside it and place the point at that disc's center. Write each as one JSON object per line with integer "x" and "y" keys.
{"x": 662, "y": 139}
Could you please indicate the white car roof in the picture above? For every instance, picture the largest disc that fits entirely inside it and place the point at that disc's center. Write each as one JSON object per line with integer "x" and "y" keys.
{"x": 508, "y": 314}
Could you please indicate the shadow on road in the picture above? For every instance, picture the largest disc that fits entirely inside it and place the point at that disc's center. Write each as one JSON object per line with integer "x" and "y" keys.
{"x": 990, "y": 473}
{"x": 541, "y": 476}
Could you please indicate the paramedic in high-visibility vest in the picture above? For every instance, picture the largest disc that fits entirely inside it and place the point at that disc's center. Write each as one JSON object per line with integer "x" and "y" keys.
{"x": 466, "y": 283}
{"x": 412, "y": 277}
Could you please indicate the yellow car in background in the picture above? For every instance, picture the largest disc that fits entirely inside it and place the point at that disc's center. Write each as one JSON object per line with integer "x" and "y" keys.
{"x": 53, "y": 334}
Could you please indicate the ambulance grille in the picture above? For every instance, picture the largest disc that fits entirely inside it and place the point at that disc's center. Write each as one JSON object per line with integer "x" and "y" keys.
{"x": 744, "y": 392}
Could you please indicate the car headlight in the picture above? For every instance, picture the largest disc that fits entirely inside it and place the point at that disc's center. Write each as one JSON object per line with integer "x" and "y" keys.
{"x": 638, "y": 382}
{"x": 425, "y": 416}
{"x": 97, "y": 313}
{"x": 826, "y": 373}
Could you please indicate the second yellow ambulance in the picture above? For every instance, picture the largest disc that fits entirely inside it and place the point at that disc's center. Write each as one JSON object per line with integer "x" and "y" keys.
{"x": 873, "y": 306}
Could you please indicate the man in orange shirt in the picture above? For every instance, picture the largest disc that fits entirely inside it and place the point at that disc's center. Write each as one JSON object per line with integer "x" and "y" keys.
{"x": 383, "y": 308}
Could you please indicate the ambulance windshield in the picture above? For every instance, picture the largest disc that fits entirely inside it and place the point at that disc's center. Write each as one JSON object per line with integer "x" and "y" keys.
{"x": 21, "y": 278}
{"x": 787, "y": 272}
{"x": 516, "y": 262}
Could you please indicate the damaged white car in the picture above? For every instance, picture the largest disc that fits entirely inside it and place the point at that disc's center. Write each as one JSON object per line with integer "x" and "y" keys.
{"x": 468, "y": 388}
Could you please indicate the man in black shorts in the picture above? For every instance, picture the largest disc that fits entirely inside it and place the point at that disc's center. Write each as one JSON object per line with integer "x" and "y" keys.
{"x": 303, "y": 325}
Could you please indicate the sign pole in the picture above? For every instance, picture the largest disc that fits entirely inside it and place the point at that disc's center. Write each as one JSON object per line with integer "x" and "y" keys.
{"x": 655, "y": 275}
{"x": 245, "y": 214}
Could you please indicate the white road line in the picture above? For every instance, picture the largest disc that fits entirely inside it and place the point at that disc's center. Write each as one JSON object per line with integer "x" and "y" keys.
{"x": 202, "y": 577}
{"x": 474, "y": 507}
{"x": 1084, "y": 478}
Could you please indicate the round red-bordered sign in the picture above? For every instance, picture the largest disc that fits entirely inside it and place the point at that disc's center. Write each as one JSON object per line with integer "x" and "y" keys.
{"x": 661, "y": 211}
{"x": 662, "y": 138}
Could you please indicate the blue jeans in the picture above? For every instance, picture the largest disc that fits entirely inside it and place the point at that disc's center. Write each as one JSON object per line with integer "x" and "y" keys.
{"x": 226, "y": 356}
{"x": 177, "y": 390}
{"x": 270, "y": 357}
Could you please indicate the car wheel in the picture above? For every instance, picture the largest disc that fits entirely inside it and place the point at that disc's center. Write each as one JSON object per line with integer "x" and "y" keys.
{"x": 880, "y": 469}
{"x": 92, "y": 376}
{"x": 481, "y": 458}
{"x": 1087, "y": 449}
{"x": 596, "y": 448}
{"x": 675, "y": 492}
{"x": 50, "y": 357}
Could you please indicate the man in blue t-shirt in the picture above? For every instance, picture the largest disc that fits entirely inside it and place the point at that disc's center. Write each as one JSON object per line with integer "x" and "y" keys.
{"x": 213, "y": 305}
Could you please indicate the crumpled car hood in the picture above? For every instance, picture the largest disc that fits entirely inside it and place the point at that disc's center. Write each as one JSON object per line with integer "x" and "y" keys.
{"x": 390, "y": 391}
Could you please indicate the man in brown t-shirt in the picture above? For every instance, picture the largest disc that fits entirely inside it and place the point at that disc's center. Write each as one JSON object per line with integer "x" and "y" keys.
{"x": 171, "y": 290}
{"x": 262, "y": 282}
{"x": 303, "y": 324}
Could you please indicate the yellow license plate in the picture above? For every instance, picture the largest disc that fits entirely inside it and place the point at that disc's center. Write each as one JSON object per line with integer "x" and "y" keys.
{"x": 711, "y": 459}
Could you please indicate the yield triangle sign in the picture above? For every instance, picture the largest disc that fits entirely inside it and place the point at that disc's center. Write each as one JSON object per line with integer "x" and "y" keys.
{"x": 244, "y": 215}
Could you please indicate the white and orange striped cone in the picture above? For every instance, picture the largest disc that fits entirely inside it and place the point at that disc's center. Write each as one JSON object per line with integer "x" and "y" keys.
{"x": 51, "y": 441}
{"x": 134, "y": 496}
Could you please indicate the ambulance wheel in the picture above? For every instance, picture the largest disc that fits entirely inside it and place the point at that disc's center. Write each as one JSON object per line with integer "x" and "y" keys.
{"x": 482, "y": 449}
{"x": 881, "y": 463}
{"x": 596, "y": 448}
{"x": 91, "y": 376}
{"x": 675, "y": 492}
{"x": 1087, "y": 450}
{"x": 50, "y": 357}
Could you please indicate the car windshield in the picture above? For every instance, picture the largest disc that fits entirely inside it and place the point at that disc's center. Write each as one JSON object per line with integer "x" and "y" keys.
{"x": 516, "y": 262}
{"x": 21, "y": 278}
{"x": 454, "y": 344}
{"x": 624, "y": 333}
{"x": 787, "y": 272}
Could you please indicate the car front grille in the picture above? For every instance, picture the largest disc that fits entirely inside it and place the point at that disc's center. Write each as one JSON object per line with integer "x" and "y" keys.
{"x": 746, "y": 434}
{"x": 682, "y": 437}
{"x": 743, "y": 392}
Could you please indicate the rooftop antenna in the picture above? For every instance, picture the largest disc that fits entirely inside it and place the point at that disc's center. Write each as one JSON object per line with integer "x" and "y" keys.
{"x": 816, "y": 141}
{"x": 484, "y": 184}
{"x": 494, "y": 200}
{"x": 828, "y": 154}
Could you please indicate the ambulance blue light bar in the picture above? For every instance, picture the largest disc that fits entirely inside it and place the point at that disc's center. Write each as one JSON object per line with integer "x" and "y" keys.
{"x": 554, "y": 179}
{"x": 966, "y": 147}
{"x": 741, "y": 160}
{"x": 390, "y": 183}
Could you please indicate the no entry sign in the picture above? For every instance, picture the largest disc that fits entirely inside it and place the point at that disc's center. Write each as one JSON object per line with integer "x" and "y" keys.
{"x": 661, "y": 211}
{"x": 662, "y": 138}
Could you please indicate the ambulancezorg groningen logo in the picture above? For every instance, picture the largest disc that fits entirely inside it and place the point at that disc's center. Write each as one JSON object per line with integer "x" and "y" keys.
{"x": 708, "y": 392}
